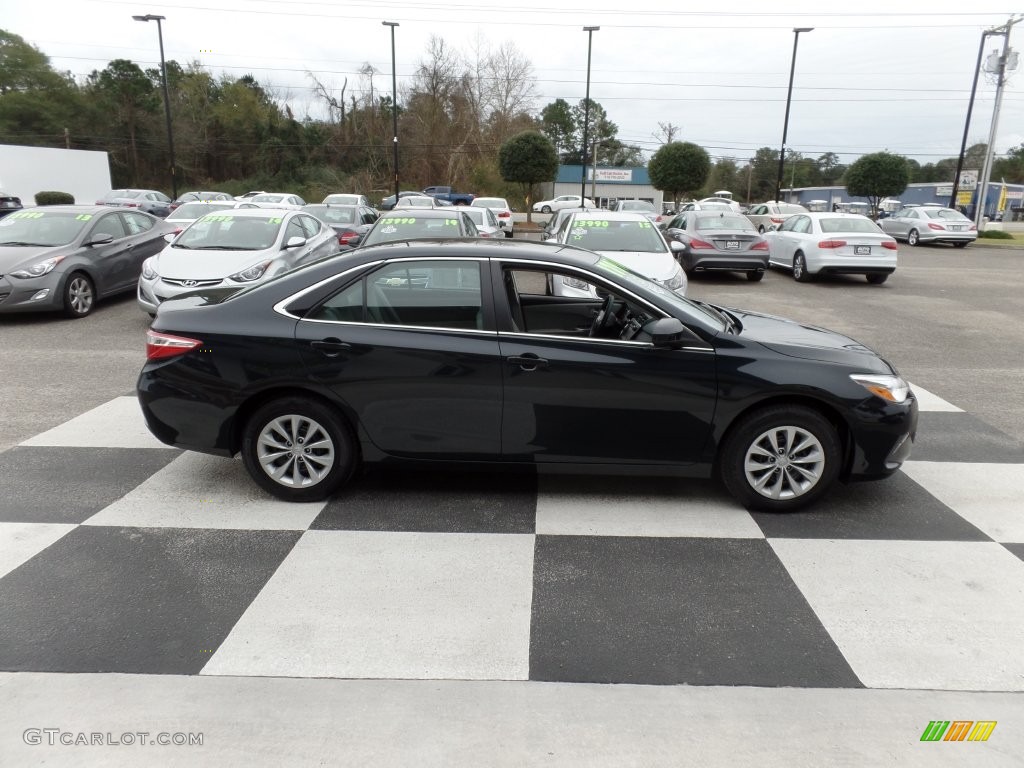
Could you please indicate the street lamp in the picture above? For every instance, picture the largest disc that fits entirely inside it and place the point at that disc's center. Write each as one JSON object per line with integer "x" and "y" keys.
{"x": 586, "y": 122}
{"x": 789, "y": 98}
{"x": 167, "y": 98}
{"x": 394, "y": 101}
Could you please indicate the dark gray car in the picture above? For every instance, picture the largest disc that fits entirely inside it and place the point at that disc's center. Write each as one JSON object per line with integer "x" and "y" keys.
{"x": 718, "y": 241}
{"x": 149, "y": 201}
{"x": 66, "y": 257}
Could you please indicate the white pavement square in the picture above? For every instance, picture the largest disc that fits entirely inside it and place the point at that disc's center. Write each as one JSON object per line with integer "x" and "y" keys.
{"x": 390, "y": 605}
{"x": 624, "y": 508}
{"x": 200, "y": 491}
{"x": 115, "y": 424}
{"x": 989, "y": 496}
{"x": 19, "y": 542}
{"x": 926, "y": 401}
{"x": 937, "y": 615}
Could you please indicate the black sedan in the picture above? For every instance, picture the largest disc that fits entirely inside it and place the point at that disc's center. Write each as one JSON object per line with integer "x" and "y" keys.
{"x": 66, "y": 257}
{"x": 457, "y": 351}
{"x": 718, "y": 241}
{"x": 350, "y": 222}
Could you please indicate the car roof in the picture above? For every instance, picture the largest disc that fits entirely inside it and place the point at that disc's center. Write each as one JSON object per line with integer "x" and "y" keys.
{"x": 93, "y": 209}
{"x": 834, "y": 215}
{"x": 473, "y": 247}
{"x": 427, "y": 213}
{"x": 256, "y": 213}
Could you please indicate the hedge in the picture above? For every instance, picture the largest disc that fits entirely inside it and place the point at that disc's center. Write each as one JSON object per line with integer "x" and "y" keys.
{"x": 54, "y": 198}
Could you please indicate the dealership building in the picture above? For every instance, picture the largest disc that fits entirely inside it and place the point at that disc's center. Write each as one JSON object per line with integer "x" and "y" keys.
{"x": 605, "y": 185}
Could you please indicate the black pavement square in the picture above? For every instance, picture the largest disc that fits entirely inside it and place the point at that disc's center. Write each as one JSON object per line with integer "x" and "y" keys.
{"x": 945, "y": 436}
{"x": 141, "y": 600}
{"x": 893, "y": 509}
{"x": 434, "y": 502}
{"x": 69, "y": 485}
{"x": 675, "y": 610}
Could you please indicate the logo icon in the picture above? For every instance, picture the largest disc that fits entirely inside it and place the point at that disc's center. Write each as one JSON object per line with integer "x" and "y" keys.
{"x": 189, "y": 283}
{"x": 958, "y": 730}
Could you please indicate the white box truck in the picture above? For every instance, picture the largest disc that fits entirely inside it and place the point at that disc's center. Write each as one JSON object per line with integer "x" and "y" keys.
{"x": 27, "y": 170}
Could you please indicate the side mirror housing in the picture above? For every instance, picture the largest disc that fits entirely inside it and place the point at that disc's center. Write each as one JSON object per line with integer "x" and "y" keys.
{"x": 355, "y": 240}
{"x": 99, "y": 240}
{"x": 170, "y": 237}
{"x": 294, "y": 242}
{"x": 675, "y": 246}
{"x": 668, "y": 332}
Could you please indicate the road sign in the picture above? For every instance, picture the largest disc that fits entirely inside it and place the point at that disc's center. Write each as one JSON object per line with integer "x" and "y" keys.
{"x": 968, "y": 180}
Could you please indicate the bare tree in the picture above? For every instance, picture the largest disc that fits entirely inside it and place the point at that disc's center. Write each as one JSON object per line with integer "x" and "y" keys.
{"x": 335, "y": 106}
{"x": 666, "y": 133}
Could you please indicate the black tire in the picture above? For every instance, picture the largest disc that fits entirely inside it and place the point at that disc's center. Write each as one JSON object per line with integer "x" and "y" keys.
{"x": 961, "y": 245}
{"x": 508, "y": 234}
{"x": 79, "y": 295}
{"x": 545, "y": 209}
{"x": 877, "y": 279}
{"x": 800, "y": 273}
{"x": 760, "y": 229}
{"x": 747, "y": 437}
{"x": 315, "y": 419}
{"x": 755, "y": 277}
{"x": 913, "y": 238}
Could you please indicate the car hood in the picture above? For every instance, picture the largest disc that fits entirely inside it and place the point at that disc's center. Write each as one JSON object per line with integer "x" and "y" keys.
{"x": 12, "y": 256}
{"x": 656, "y": 266}
{"x": 184, "y": 264}
{"x": 809, "y": 342}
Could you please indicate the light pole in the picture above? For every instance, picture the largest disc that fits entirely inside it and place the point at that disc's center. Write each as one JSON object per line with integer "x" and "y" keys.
{"x": 586, "y": 122}
{"x": 1002, "y": 63}
{"x": 789, "y": 98}
{"x": 167, "y": 98}
{"x": 394, "y": 101}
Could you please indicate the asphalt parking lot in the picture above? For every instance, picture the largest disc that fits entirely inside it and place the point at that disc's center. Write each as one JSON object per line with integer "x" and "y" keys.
{"x": 457, "y": 620}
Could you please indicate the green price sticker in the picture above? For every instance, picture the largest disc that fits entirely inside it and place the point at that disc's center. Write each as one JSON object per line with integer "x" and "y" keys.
{"x": 645, "y": 225}
{"x": 83, "y": 217}
{"x": 27, "y": 215}
{"x": 275, "y": 220}
{"x": 451, "y": 222}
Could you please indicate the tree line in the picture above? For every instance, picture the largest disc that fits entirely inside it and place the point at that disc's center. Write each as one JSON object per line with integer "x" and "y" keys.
{"x": 455, "y": 113}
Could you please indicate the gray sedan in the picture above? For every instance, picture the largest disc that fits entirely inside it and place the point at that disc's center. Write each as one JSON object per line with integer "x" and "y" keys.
{"x": 930, "y": 224}
{"x": 148, "y": 200}
{"x": 65, "y": 257}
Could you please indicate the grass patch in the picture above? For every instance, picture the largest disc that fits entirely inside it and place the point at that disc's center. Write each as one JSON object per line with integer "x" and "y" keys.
{"x": 996, "y": 234}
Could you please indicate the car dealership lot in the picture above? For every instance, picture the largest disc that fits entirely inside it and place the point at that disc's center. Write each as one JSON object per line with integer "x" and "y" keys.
{"x": 121, "y": 555}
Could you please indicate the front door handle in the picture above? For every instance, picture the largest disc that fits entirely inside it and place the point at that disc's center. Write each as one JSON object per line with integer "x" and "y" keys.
{"x": 330, "y": 347}
{"x": 529, "y": 362}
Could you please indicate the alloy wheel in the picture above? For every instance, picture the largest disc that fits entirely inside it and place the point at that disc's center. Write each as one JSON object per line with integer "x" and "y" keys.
{"x": 295, "y": 451}
{"x": 784, "y": 462}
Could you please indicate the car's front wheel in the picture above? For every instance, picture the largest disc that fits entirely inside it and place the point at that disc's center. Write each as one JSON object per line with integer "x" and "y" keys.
{"x": 780, "y": 458}
{"x": 913, "y": 238}
{"x": 877, "y": 279}
{"x": 545, "y": 209}
{"x": 800, "y": 273}
{"x": 79, "y": 295}
{"x": 298, "y": 449}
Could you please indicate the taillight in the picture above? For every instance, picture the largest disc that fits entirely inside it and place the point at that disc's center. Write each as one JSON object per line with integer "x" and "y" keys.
{"x": 132, "y": 205}
{"x": 504, "y": 215}
{"x": 776, "y": 220}
{"x": 973, "y": 228}
{"x": 935, "y": 226}
{"x": 761, "y": 246}
{"x": 831, "y": 243}
{"x": 163, "y": 345}
{"x": 344, "y": 237}
{"x": 700, "y": 244}
{"x": 889, "y": 245}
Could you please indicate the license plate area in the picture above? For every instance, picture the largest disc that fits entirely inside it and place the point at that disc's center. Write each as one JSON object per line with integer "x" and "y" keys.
{"x": 862, "y": 250}
{"x": 732, "y": 245}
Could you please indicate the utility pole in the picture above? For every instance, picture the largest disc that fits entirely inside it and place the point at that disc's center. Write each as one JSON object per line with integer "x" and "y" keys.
{"x": 593, "y": 178}
{"x": 1000, "y": 70}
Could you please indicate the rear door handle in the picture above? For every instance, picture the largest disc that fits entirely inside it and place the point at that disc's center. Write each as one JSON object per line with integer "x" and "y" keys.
{"x": 330, "y": 347}
{"x": 529, "y": 362}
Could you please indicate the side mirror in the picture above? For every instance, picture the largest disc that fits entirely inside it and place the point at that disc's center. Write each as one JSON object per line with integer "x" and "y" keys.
{"x": 668, "y": 332}
{"x": 100, "y": 240}
{"x": 355, "y": 240}
{"x": 675, "y": 246}
{"x": 294, "y": 242}
{"x": 170, "y": 237}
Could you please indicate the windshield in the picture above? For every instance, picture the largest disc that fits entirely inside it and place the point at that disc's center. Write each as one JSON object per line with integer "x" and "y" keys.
{"x": 224, "y": 232}
{"x": 631, "y": 279}
{"x": 42, "y": 228}
{"x": 944, "y": 213}
{"x": 268, "y": 198}
{"x": 635, "y": 205}
{"x": 606, "y": 235}
{"x": 849, "y": 225}
{"x": 724, "y": 221}
{"x": 341, "y": 200}
{"x": 332, "y": 215}
{"x": 192, "y": 211}
{"x": 391, "y": 228}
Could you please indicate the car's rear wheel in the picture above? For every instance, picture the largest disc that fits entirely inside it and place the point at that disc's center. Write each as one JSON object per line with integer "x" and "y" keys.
{"x": 298, "y": 449}
{"x": 913, "y": 238}
{"x": 877, "y": 279}
{"x": 961, "y": 245}
{"x": 79, "y": 295}
{"x": 545, "y": 209}
{"x": 800, "y": 273}
{"x": 780, "y": 458}
{"x": 760, "y": 229}
{"x": 508, "y": 234}
{"x": 755, "y": 277}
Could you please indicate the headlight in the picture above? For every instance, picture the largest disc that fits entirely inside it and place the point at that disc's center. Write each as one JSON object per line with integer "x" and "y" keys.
{"x": 572, "y": 282}
{"x": 40, "y": 269}
{"x": 892, "y": 389}
{"x": 149, "y": 269}
{"x": 677, "y": 280}
{"x": 255, "y": 272}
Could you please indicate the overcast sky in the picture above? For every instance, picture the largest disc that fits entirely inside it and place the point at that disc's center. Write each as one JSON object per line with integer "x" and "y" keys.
{"x": 869, "y": 77}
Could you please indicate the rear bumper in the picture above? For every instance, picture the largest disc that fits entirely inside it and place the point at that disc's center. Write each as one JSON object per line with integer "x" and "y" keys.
{"x": 852, "y": 265}
{"x": 931, "y": 236}
{"x": 725, "y": 263}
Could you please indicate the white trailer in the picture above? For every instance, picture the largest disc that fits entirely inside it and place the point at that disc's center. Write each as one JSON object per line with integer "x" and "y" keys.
{"x": 27, "y": 170}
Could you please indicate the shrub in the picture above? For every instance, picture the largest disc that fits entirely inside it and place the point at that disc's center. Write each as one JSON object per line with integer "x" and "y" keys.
{"x": 996, "y": 234}
{"x": 54, "y": 198}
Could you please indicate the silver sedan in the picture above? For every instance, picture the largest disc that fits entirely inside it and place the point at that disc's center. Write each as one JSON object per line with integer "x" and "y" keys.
{"x": 930, "y": 224}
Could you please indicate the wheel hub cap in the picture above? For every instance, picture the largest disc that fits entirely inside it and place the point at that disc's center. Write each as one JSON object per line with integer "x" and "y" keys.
{"x": 784, "y": 462}
{"x": 295, "y": 451}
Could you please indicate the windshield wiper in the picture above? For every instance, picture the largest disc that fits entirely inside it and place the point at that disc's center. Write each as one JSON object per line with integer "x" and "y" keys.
{"x": 229, "y": 248}
{"x": 181, "y": 245}
{"x": 19, "y": 242}
{"x": 720, "y": 314}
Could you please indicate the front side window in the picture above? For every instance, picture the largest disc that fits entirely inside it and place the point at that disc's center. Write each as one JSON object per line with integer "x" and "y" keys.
{"x": 108, "y": 225}
{"x": 294, "y": 230}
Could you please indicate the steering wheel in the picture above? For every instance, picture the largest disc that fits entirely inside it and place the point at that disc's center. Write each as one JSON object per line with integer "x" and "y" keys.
{"x": 603, "y": 317}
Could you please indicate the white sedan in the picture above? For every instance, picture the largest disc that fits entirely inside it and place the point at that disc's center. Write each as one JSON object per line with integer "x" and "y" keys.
{"x": 811, "y": 244}
{"x": 284, "y": 200}
{"x": 233, "y": 248}
{"x": 563, "y": 201}
{"x": 499, "y": 207}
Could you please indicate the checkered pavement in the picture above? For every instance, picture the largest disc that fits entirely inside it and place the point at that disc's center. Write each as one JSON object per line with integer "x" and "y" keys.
{"x": 119, "y": 554}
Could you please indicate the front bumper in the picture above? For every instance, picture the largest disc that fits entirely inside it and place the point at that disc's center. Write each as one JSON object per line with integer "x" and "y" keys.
{"x": 882, "y": 438}
{"x": 37, "y": 294}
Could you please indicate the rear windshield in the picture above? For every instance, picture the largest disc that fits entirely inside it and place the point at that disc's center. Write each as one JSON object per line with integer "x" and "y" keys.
{"x": 724, "y": 221}
{"x": 635, "y": 205}
{"x": 195, "y": 210}
{"x": 605, "y": 235}
{"x": 390, "y": 228}
{"x": 333, "y": 215}
{"x": 849, "y": 225}
{"x": 944, "y": 213}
